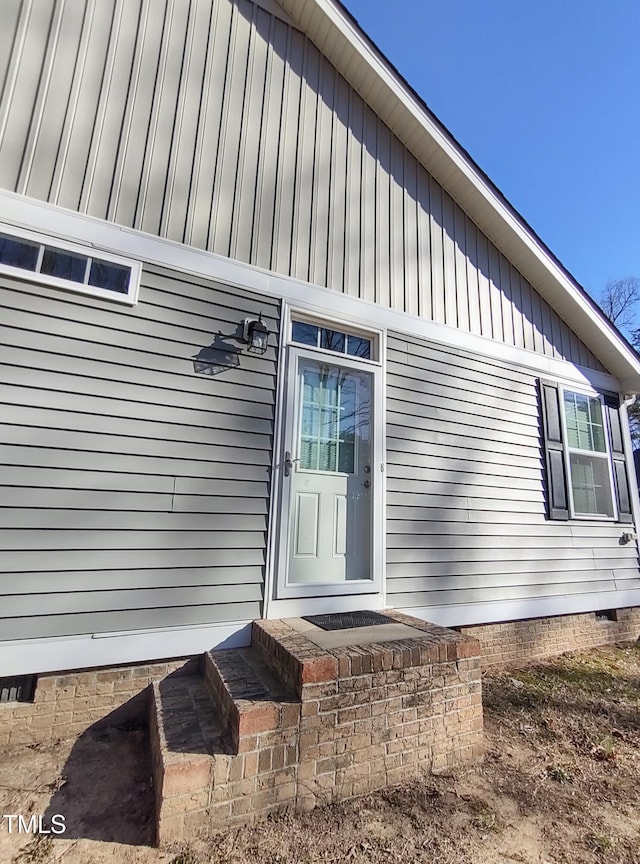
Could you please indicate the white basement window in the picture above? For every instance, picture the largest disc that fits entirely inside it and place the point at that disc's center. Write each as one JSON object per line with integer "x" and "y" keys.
{"x": 66, "y": 265}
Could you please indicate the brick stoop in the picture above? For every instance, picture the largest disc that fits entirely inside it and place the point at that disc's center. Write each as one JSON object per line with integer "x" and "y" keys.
{"x": 290, "y": 723}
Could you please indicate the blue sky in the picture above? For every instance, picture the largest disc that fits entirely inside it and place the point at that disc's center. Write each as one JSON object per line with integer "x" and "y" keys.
{"x": 545, "y": 96}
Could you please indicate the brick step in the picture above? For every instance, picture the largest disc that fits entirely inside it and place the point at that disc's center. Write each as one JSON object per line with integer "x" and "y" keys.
{"x": 186, "y": 736}
{"x": 251, "y": 698}
{"x": 216, "y": 767}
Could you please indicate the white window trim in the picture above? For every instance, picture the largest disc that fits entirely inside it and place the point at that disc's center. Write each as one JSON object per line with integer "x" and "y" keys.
{"x": 89, "y": 252}
{"x": 341, "y": 326}
{"x": 566, "y": 451}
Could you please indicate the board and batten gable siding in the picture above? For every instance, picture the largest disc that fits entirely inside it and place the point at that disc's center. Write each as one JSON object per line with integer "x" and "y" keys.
{"x": 217, "y": 124}
{"x": 134, "y": 489}
{"x": 466, "y": 516}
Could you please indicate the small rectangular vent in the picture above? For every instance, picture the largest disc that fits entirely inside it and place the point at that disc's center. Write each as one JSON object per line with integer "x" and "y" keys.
{"x": 607, "y": 615}
{"x": 20, "y": 688}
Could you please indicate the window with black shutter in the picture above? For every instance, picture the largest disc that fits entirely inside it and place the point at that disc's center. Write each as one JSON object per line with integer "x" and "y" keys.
{"x": 587, "y": 473}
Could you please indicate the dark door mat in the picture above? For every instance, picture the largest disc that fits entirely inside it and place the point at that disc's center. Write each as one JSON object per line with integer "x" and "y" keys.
{"x": 347, "y": 620}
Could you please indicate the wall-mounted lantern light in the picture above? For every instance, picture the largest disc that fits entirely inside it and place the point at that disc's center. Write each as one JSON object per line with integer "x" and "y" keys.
{"x": 255, "y": 335}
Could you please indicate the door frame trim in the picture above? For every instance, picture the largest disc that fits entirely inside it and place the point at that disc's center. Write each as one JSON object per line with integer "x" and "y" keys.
{"x": 307, "y": 598}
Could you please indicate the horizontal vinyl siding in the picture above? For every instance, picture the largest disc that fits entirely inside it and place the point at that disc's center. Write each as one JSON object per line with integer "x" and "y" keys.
{"x": 216, "y": 124}
{"x": 465, "y": 497}
{"x": 134, "y": 492}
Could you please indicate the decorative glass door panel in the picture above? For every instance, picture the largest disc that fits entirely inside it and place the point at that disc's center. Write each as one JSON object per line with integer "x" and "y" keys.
{"x": 329, "y": 470}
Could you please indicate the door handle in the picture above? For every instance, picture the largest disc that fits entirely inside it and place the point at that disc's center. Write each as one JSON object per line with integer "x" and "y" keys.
{"x": 288, "y": 463}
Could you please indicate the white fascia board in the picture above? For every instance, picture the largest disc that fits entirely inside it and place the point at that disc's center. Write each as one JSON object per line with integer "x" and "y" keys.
{"x": 58, "y": 222}
{"x": 38, "y": 656}
{"x": 485, "y": 205}
{"x": 469, "y": 614}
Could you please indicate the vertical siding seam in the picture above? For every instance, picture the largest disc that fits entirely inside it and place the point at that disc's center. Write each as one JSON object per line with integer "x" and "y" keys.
{"x": 417, "y": 275}
{"x": 236, "y": 208}
{"x": 429, "y": 264}
{"x": 72, "y": 104}
{"x": 553, "y": 335}
{"x": 297, "y": 158}
{"x": 508, "y": 328}
{"x": 398, "y": 240}
{"x": 386, "y": 239}
{"x": 224, "y": 113}
{"x": 353, "y": 178}
{"x": 404, "y": 305}
{"x": 360, "y": 292}
{"x": 284, "y": 114}
{"x": 345, "y": 132}
{"x": 198, "y": 144}
{"x": 302, "y": 111}
{"x": 42, "y": 91}
{"x": 297, "y": 100}
{"x": 547, "y": 329}
{"x": 376, "y": 227}
{"x": 176, "y": 132}
{"x": 462, "y": 284}
{"x": 456, "y": 275}
{"x": 311, "y": 251}
{"x": 152, "y": 128}
{"x": 567, "y": 348}
{"x": 490, "y": 300}
{"x": 441, "y": 262}
{"x": 584, "y": 354}
{"x": 15, "y": 60}
{"x": 527, "y": 319}
{"x": 449, "y": 256}
{"x": 475, "y": 267}
{"x": 103, "y": 99}
{"x": 495, "y": 293}
{"x": 536, "y": 320}
{"x": 516, "y": 306}
{"x": 127, "y": 114}
{"x": 254, "y": 242}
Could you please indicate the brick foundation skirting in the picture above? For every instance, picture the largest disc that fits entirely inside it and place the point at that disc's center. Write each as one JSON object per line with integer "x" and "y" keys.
{"x": 537, "y": 638}
{"x": 66, "y": 704}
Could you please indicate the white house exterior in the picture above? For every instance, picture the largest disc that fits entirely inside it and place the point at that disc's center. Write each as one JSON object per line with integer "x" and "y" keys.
{"x": 437, "y": 423}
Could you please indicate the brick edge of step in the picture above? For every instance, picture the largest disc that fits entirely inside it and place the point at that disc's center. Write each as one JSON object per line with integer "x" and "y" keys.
{"x": 182, "y": 781}
{"x": 246, "y": 705}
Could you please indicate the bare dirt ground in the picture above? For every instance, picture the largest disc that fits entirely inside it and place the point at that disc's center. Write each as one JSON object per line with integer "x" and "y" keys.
{"x": 560, "y": 784}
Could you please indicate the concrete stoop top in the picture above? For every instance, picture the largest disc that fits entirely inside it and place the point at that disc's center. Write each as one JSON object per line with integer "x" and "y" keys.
{"x": 304, "y": 653}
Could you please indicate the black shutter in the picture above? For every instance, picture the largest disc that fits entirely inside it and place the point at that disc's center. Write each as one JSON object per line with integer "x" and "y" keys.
{"x": 558, "y": 504}
{"x": 620, "y": 470}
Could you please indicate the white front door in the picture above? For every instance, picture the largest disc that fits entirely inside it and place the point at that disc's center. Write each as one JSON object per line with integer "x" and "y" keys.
{"x": 328, "y": 478}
